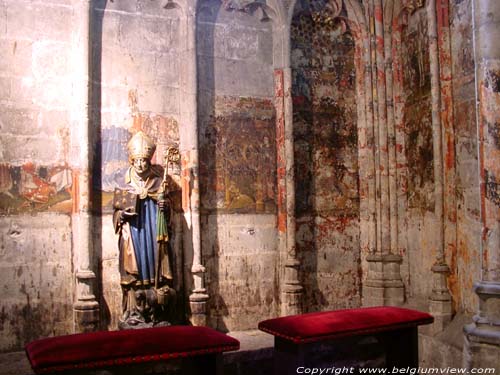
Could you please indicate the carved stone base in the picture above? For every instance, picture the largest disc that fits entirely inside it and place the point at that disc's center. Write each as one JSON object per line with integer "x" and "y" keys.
{"x": 292, "y": 291}
{"x": 86, "y": 316}
{"x": 198, "y": 304}
{"x": 482, "y": 337}
{"x": 126, "y": 325}
{"x": 86, "y": 308}
{"x": 440, "y": 303}
{"x": 291, "y": 303}
{"x": 383, "y": 286}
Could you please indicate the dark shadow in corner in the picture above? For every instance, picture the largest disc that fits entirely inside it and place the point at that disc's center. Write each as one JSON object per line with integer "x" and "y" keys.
{"x": 304, "y": 149}
{"x": 95, "y": 104}
{"x": 207, "y": 13}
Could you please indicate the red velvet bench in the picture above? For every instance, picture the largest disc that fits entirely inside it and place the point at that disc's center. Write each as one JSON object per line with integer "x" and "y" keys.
{"x": 195, "y": 350}
{"x": 395, "y": 329}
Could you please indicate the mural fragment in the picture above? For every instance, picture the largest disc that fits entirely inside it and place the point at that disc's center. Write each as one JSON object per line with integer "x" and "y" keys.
{"x": 113, "y": 152}
{"x": 326, "y": 156}
{"x": 238, "y": 156}
{"x": 35, "y": 188}
{"x": 417, "y": 113}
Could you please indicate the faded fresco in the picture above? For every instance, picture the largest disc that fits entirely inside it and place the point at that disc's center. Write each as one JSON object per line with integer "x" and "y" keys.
{"x": 417, "y": 113}
{"x": 238, "y": 157}
{"x": 113, "y": 150}
{"x": 326, "y": 167}
{"x": 35, "y": 188}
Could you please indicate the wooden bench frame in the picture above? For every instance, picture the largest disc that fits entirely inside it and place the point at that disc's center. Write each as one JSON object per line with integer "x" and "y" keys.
{"x": 293, "y": 344}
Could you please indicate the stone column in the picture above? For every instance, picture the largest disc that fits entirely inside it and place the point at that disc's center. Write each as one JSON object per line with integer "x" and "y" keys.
{"x": 440, "y": 299}
{"x": 190, "y": 164}
{"x": 291, "y": 286}
{"x": 86, "y": 307}
{"x": 384, "y": 285}
{"x": 293, "y": 289}
{"x": 482, "y": 337}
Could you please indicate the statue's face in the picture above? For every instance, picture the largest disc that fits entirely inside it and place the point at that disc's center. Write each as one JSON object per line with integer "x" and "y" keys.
{"x": 141, "y": 165}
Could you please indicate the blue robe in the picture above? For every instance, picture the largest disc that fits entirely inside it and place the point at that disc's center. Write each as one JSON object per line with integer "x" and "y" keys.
{"x": 143, "y": 231}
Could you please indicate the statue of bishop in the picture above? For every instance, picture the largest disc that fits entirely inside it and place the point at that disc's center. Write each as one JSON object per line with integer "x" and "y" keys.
{"x": 141, "y": 220}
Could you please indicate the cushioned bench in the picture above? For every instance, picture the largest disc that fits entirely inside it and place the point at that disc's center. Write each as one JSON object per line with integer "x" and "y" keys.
{"x": 395, "y": 329}
{"x": 196, "y": 349}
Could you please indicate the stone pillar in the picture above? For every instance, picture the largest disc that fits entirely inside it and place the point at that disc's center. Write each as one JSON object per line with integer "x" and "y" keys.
{"x": 86, "y": 307}
{"x": 482, "y": 337}
{"x": 291, "y": 288}
{"x": 290, "y": 285}
{"x": 190, "y": 163}
{"x": 440, "y": 298}
{"x": 383, "y": 285}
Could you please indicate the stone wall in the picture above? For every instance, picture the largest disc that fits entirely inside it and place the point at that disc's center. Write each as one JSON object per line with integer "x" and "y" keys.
{"x": 460, "y": 167}
{"x": 39, "y": 83}
{"x": 326, "y": 166}
{"x": 138, "y": 82}
{"x": 237, "y": 165}
{"x": 467, "y": 258}
{"x": 420, "y": 220}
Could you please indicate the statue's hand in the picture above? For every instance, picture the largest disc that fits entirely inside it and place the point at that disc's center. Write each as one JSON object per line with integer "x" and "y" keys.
{"x": 127, "y": 214}
{"x": 162, "y": 204}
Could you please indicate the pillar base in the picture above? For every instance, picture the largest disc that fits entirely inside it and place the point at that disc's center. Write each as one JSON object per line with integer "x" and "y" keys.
{"x": 86, "y": 308}
{"x": 440, "y": 302}
{"x": 292, "y": 290}
{"x": 482, "y": 337}
{"x": 198, "y": 304}
{"x": 291, "y": 303}
{"x": 383, "y": 286}
{"x": 86, "y": 316}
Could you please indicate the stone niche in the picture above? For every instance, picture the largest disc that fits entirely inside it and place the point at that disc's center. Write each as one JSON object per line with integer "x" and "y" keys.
{"x": 326, "y": 158}
{"x": 137, "y": 60}
{"x": 238, "y": 168}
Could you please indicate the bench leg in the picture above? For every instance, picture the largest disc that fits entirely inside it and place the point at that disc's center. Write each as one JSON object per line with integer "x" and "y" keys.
{"x": 401, "y": 347}
{"x": 287, "y": 356}
{"x": 204, "y": 364}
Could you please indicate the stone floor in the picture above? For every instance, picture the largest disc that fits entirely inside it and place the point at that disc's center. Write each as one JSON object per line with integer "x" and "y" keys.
{"x": 14, "y": 363}
{"x": 254, "y": 357}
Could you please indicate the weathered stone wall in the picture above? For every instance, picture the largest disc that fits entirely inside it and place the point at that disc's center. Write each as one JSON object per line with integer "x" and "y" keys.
{"x": 38, "y": 97}
{"x": 237, "y": 165}
{"x": 467, "y": 258}
{"x": 136, "y": 70}
{"x": 419, "y": 228}
{"x": 418, "y": 232}
{"x": 326, "y": 165}
{"x": 137, "y": 84}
